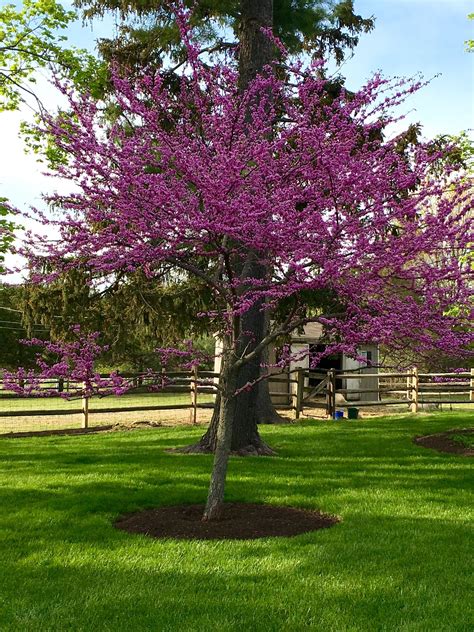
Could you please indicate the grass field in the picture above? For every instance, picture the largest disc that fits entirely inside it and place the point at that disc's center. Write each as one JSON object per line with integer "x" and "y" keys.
{"x": 399, "y": 560}
{"x": 98, "y": 403}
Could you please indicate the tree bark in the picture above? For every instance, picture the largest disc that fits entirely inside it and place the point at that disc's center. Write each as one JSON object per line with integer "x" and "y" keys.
{"x": 256, "y": 49}
{"x": 265, "y": 411}
{"x": 227, "y": 407}
{"x": 245, "y": 438}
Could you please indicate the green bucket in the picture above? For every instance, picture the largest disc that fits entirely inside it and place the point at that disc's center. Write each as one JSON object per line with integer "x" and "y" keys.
{"x": 352, "y": 413}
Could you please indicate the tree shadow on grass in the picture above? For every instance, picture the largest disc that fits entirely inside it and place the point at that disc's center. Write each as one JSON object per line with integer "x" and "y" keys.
{"x": 313, "y": 460}
{"x": 400, "y": 553}
{"x": 360, "y": 580}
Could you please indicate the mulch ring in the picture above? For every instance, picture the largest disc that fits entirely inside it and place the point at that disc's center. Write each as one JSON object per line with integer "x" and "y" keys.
{"x": 443, "y": 442}
{"x": 240, "y": 521}
{"x": 119, "y": 427}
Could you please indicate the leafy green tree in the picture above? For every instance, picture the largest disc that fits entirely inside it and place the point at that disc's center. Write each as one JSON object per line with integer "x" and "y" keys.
{"x": 32, "y": 37}
{"x": 7, "y": 228}
{"x": 470, "y": 42}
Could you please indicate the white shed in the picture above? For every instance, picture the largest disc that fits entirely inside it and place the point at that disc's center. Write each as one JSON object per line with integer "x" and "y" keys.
{"x": 310, "y": 339}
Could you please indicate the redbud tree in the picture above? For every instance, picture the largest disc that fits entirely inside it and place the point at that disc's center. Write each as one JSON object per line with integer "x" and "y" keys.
{"x": 266, "y": 196}
{"x": 73, "y": 360}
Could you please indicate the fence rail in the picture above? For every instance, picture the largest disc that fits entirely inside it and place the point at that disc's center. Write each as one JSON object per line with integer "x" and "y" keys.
{"x": 416, "y": 389}
{"x": 189, "y": 391}
{"x": 194, "y": 391}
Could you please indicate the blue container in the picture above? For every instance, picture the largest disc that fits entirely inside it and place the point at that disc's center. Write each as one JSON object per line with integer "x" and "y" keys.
{"x": 339, "y": 414}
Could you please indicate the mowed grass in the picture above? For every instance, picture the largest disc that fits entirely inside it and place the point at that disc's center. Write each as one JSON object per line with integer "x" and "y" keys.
{"x": 401, "y": 559}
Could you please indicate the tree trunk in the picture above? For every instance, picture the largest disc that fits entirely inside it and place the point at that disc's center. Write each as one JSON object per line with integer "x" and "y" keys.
{"x": 265, "y": 411}
{"x": 254, "y": 406}
{"x": 245, "y": 438}
{"x": 256, "y": 49}
{"x": 227, "y": 407}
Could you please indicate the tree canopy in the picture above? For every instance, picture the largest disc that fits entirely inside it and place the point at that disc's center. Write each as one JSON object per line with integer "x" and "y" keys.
{"x": 12, "y": 328}
{"x": 149, "y": 29}
{"x": 140, "y": 314}
{"x": 7, "y": 231}
{"x": 32, "y": 37}
{"x": 215, "y": 183}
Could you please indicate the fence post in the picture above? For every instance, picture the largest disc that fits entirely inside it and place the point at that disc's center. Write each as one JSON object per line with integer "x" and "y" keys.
{"x": 299, "y": 392}
{"x": 414, "y": 390}
{"x": 331, "y": 393}
{"x": 193, "y": 409}
{"x": 85, "y": 408}
{"x": 294, "y": 392}
{"x": 471, "y": 387}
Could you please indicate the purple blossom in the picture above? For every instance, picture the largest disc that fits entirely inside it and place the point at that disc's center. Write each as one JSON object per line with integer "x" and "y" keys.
{"x": 195, "y": 182}
{"x": 75, "y": 362}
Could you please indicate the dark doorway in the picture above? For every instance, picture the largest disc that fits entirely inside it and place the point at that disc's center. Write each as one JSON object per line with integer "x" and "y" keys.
{"x": 326, "y": 363}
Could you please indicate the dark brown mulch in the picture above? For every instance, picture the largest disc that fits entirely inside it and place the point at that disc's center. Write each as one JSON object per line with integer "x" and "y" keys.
{"x": 261, "y": 449}
{"x": 443, "y": 442}
{"x": 119, "y": 427}
{"x": 241, "y": 521}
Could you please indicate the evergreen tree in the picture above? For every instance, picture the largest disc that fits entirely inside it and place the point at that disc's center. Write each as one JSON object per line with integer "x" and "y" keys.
{"x": 148, "y": 28}
{"x": 134, "y": 315}
{"x": 13, "y": 353}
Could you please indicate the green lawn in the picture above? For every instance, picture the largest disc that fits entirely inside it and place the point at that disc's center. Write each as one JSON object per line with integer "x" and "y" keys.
{"x": 400, "y": 559}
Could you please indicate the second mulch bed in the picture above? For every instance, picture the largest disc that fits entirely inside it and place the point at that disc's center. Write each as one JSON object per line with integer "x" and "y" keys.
{"x": 443, "y": 442}
{"x": 241, "y": 521}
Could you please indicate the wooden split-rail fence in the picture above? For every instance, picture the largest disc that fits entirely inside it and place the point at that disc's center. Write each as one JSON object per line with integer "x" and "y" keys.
{"x": 412, "y": 389}
{"x": 299, "y": 391}
{"x": 190, "y": 390}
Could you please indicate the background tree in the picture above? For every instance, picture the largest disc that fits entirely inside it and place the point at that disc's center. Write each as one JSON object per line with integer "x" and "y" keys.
{"x": 12, "y": 328}
{"x": 31, "y": 38}
{"x": 140, "y": 315}
{"x": 456, "y": 151}
{"x": 470, "y": 42}
{"x": 149, "y": 29}
{"x": 7, "y": 231}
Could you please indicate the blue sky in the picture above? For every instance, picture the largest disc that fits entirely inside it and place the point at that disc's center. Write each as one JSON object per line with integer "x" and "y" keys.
{"x": 410, "y": 36}
{"x": 422, "y": 36}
